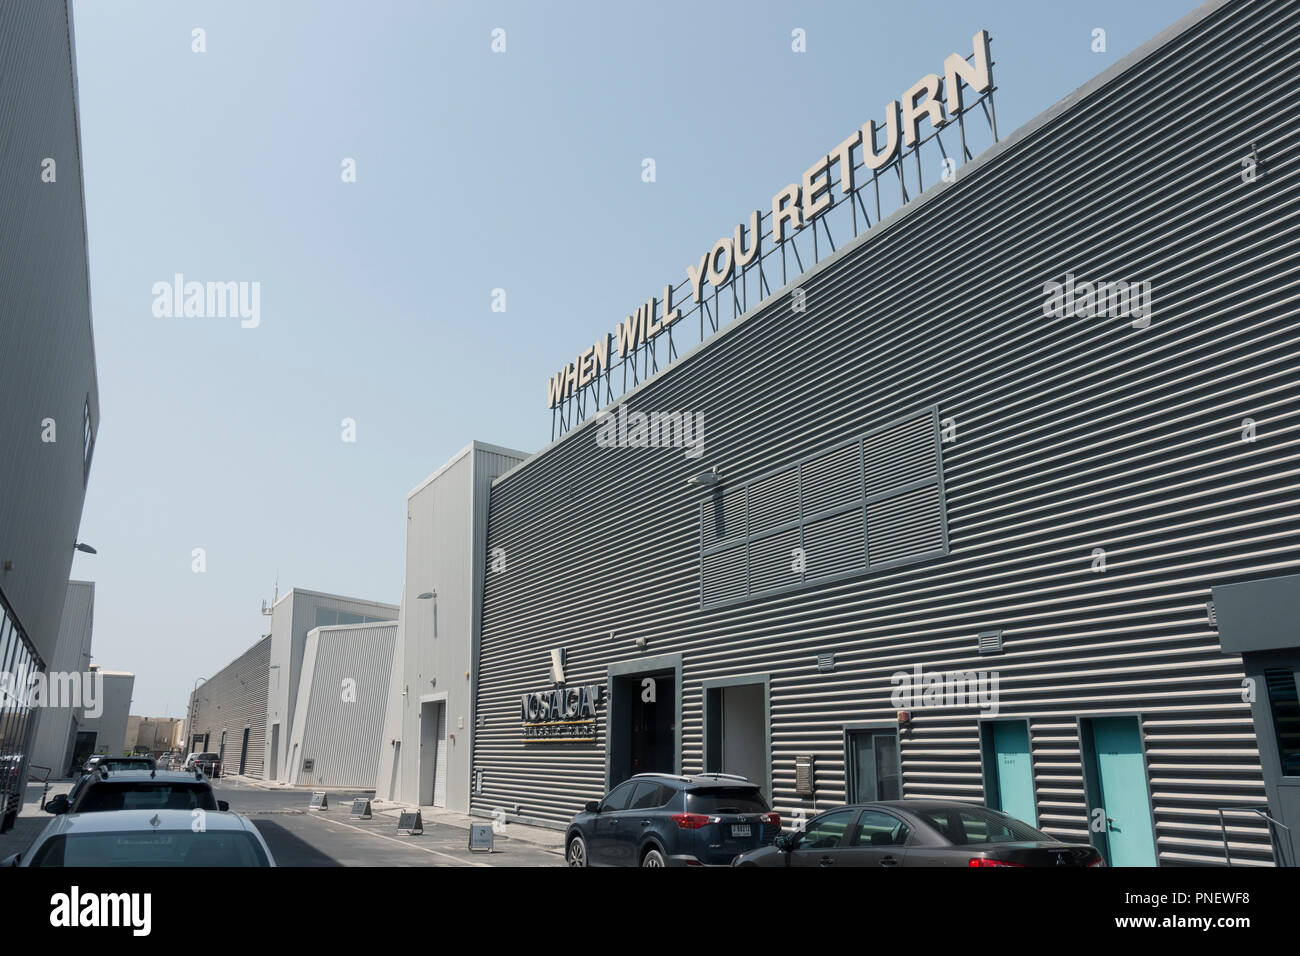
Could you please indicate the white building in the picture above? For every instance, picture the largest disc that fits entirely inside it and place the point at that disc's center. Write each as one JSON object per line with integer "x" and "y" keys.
{"x": 428, "y": 734}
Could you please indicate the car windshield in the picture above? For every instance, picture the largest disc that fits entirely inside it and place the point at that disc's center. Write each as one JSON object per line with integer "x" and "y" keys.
{"x": 207, "y": 756}
{"x": 964, "y": 826}
{"x": 147, "y": 795}
{"x": 151, "y": 848}
{"x": 726, "y": 800}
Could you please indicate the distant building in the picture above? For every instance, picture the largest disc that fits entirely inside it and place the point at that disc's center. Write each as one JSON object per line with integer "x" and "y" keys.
{"x": 109, "y": 728}
{"x": 245, "y": 712}
{"x": 154, "y": 734}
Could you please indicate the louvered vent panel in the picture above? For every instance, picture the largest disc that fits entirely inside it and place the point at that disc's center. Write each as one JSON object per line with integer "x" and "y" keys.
{"x": 905, "y": 526}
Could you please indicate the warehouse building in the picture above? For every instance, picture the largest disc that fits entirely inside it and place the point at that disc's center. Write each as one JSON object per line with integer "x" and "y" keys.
{"x": 155, "y": 735}
{"x": 292, "y": 617}
{"x": 339, "y": 722}
{"x": 105, "y": 731}
{"x": 227, "y": 712}
{"x": 968, "y": 487}
{"x": 49, "y": 397}
{"x": 429, "y": 726}
{"x": 61, "y": 742}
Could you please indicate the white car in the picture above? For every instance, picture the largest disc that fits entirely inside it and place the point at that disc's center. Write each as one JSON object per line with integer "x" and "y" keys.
{"x": 147, "y": 838}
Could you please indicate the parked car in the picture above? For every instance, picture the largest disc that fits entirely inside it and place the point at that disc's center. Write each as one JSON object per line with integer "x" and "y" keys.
{"x": 189, "y": 760}
{"x": 136, "y": 790}
{"x": 919, "y": 833}
{"x": 657, "y": 819}
{"x": 146, "y": 838}
{"x": 209, "y": 763}
{"x": 112, "y": 763}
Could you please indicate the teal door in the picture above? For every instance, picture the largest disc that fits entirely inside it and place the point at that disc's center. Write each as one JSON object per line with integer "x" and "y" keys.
{"x": 1121, "y": 783}
{"x": 1009, "y": 772}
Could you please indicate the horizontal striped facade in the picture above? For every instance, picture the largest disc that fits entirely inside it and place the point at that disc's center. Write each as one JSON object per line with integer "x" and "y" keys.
{"x": 230, "y": 701}
{"x": 1062, "y": 435}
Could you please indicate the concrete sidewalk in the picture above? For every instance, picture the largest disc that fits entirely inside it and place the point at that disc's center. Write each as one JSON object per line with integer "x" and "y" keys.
{"x": 543, "y": 837}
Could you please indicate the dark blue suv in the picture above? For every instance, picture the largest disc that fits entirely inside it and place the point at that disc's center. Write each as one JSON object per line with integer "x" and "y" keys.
{"x": 657, "y": 819}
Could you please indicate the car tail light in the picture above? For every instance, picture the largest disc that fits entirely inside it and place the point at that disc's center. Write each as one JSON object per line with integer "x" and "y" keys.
{"x": 690, "y": 821}
{"x": 773, "y": 818}
{"x": 1100, "y": 861}
{"x": 986, "y": 861}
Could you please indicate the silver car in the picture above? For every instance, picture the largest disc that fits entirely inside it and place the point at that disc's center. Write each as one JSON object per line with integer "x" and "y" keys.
{"x": 162, "y": 838}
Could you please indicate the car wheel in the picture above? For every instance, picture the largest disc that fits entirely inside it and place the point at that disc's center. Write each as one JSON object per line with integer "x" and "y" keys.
{"x": 576, "y": 852}
{"x": 653, "y": 857}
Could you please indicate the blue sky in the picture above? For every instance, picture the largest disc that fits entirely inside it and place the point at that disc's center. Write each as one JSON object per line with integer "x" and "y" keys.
{"x": 475, "y": 171}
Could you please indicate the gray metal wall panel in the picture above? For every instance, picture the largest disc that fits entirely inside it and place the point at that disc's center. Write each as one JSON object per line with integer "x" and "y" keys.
{"x": 446, "y": 535}
{"x": 230, "y": 700}
{"x": 292, "y": 616}
{"x": 52, "y": 742}
{"x": 47, "y": 353}
{"x": 342, "y": 735}
{"x": 1072, "y": 434}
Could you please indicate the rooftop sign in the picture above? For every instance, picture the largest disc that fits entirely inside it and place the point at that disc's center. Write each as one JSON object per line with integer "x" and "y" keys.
{"x": 797, "y": 206}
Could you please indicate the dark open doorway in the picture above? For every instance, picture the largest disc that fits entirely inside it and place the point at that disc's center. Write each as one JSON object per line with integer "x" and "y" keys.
{"x": 644, "y": 721}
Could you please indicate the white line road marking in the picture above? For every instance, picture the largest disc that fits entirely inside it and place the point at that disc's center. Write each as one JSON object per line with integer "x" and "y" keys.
{"x": 411, "y": 846}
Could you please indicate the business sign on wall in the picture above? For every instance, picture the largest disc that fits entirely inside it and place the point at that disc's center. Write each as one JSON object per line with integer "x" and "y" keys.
{"x": 856, "y": 162}
{"x": 561, "y": 714}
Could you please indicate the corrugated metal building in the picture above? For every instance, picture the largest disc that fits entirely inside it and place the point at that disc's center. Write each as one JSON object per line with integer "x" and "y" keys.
{"x": 430, "y": 723}
{"x": 924, "y": 470}
{"x": 342, "y": 702}
{"x": 49, "y": 397}
{"x": 227, "y": 712}
{"x": 292, "y": 616}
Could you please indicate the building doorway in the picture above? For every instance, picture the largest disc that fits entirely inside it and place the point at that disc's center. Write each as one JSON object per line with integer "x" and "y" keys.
{"x": 243, "y": 752}
{"x": 736, "y": 730}
{"x": 1115, "y": 779}
{"x": 271, "y": 771}
{"x": 433, "y": 753}
{"x": 644, "y": 718}
{"x": 871, "y": 756}
{"x": 81, "y": 750}
{"x": 1008, "y": 769}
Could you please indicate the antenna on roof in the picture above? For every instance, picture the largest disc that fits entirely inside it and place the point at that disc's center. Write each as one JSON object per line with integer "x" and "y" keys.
{"x": 266, "y": 611}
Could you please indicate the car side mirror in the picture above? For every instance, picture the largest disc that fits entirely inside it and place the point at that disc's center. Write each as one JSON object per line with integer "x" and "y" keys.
{"x": 223, "y": 805}
{"x": 593, "y": 806}
{"x": 58, "y": 804}
{"x": 784, "y": 842}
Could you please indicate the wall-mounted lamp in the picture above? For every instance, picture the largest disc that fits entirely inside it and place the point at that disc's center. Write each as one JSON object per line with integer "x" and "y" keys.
{"x": 640, "y": 642}
{"x": 85, "y": 548}
{"x": 425, "y": 596}
{"x": 706, "y": 479}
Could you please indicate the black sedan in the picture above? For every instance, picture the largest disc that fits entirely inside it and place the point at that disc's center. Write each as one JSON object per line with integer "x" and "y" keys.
{"x": 918, "y": 833}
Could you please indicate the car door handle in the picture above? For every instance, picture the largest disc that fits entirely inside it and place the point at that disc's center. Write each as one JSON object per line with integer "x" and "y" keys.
{"x": 889, "y": 861}
{"x": 645, "y": 823}
{"x": 826, "y": 861}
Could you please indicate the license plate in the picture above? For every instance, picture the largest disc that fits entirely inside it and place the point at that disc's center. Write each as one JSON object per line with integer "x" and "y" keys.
{"x": 740, "y": 830}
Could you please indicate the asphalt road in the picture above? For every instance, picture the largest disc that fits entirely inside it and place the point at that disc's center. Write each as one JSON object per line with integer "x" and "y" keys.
{"x": 301, "y": 837}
